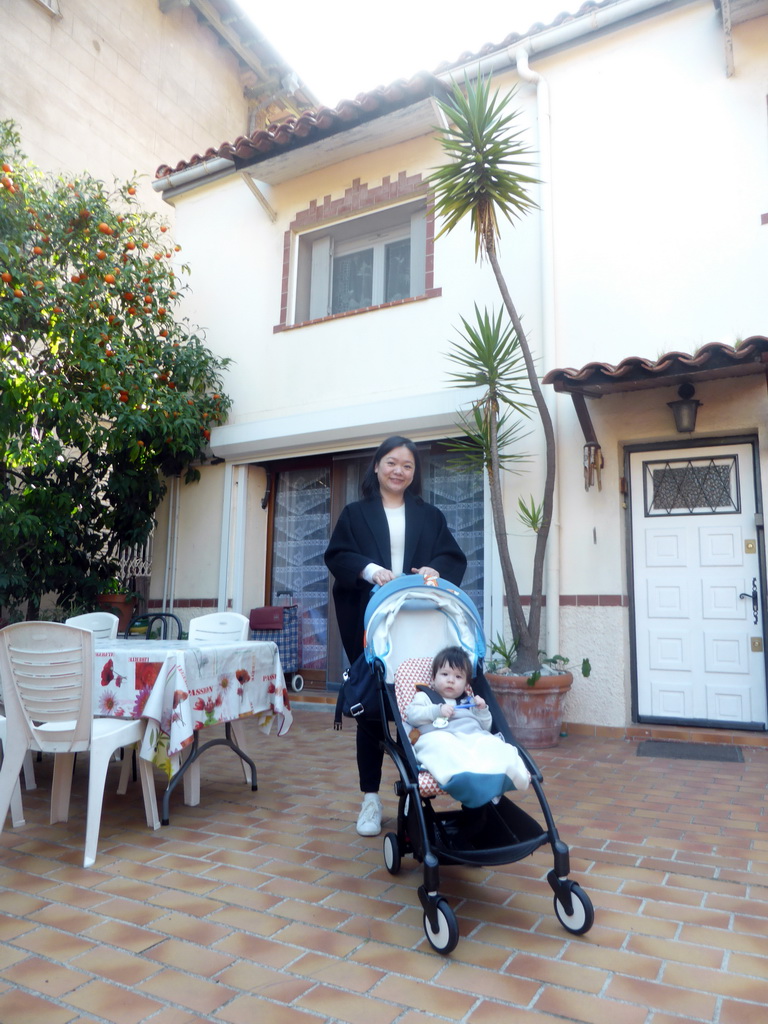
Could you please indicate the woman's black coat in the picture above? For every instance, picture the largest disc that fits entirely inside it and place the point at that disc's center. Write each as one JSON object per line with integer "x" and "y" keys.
{"x": 361, "y": 535}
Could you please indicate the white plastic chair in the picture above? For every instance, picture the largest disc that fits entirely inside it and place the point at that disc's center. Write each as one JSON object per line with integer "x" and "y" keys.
{"x": 47, "y": 670}
{"x": 226, "y": 627}
{"x": 221, "y": 626}
{"x": 103, "y": 625}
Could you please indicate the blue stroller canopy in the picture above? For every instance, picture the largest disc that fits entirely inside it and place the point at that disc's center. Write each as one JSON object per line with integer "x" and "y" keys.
{"x": 414, "y": 618}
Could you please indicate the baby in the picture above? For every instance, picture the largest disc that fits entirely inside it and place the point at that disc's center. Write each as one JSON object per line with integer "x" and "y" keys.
{"x": 451, "y": 673}
{"x": 452, "y": 735}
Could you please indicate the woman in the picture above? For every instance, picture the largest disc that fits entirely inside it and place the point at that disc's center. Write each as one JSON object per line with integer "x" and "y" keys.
{"x": 391, "y": 531}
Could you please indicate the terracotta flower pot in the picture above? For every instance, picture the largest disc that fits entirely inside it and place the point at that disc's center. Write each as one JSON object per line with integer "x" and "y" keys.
{"x": 534, "y": 713}
{"x": 121, "y": 605}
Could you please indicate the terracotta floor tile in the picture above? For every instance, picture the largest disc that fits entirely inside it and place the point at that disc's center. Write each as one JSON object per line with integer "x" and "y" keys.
{"x": 278, "y": 986}
{"x": 53, "y": 944}
{"x": 346, "y": 1006}
{"x": 249, "y": 921}
{"x": 124, "y": 936}
{"x": 422, "y": 966}
{"x": 199, "y": 994}
{"x": 189, "y": 957}
{"x": 268, "y": 906}
{"x": 47, "y": 978}
{"x": 493, "y": 1013}
{"x": 116, "y": 965}
{"x": 342, "y": 973}
{"x": 248, "y": 1009}
{"x": 111, "y": 1003}
{"x": 577, "y": 1006}
{"x": 26, "y": 1008}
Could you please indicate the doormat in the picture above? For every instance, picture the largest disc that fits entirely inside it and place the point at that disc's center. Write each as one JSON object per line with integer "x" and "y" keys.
{"x": 690, "y": 751}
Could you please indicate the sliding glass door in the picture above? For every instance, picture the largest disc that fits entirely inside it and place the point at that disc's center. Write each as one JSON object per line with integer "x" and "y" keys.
{"x": 307, "y": 498}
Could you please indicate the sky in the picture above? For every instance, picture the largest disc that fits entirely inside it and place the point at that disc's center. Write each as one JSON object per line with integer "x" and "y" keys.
{"x": 342, "y": 47}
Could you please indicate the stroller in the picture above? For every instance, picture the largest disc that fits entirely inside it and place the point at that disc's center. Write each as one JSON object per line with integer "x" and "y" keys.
{"x": 405, "y": 620}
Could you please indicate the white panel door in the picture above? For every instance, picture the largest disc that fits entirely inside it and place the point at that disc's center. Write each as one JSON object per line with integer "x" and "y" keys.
{"x": 695, "y": 566}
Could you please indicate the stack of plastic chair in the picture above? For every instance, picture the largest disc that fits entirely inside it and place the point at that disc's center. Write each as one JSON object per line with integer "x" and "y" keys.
{"x": 17, "y": 808}
{"x": 225, "y": 627}
{"x": 47, "y": 671}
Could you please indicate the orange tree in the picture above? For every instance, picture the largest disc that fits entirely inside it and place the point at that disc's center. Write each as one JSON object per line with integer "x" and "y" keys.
{"x": 104, "y": 388}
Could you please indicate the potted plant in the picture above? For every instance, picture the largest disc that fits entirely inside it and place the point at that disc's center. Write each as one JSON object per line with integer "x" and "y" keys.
{"x": 532, "y": 702}
{"x": 115, "y": 597}
{"x": 485, "y": 178}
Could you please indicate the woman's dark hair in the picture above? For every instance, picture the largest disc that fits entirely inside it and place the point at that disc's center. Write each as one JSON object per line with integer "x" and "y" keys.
{"x": 454, "y": 657}
{"x": 370, "y": 484}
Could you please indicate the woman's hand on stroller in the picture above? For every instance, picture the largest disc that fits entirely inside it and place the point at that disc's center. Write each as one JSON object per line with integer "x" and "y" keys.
{"x": 382, "y": 576}
{"x": 426, "y": 571}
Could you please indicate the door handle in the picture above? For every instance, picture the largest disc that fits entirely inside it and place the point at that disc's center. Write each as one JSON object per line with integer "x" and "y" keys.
{"x": 753, "y": 595}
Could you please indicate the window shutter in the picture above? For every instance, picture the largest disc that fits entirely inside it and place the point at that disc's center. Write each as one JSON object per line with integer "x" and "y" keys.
{"x": 320, "y": 281}
{"x": 418, "y": 252}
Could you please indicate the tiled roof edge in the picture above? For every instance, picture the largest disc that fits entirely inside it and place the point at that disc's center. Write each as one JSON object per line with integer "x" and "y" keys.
{"x": 315, "y": 124}
{"x": 711, "y": 356}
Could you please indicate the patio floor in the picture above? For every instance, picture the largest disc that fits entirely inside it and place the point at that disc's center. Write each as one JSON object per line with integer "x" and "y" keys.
{"x": 269, "y": 907}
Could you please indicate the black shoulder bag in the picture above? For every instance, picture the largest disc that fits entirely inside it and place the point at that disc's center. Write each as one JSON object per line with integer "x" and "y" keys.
{"x": 359, "y": 693}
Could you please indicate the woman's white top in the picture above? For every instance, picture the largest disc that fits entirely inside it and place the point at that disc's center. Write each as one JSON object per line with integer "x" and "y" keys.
{"x": 396, "y": 523}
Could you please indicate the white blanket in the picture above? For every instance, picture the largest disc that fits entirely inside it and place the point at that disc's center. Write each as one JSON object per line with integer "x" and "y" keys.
{"x": 473, "y": 768}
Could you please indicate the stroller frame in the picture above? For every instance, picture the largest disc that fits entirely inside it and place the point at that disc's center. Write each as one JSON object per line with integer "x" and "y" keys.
{"x": 494, "y": 834}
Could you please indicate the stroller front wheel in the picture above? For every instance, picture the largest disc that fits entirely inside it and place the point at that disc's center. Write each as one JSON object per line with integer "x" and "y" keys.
{"x": 444, "y": 938}
{"x": 582, "y": 915}
{"x": 391, "y": 853}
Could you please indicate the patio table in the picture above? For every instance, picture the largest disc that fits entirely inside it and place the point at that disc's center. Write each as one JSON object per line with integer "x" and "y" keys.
{"x": 181, "y": 688}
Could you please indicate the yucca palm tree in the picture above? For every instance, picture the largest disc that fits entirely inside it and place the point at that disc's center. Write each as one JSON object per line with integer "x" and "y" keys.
{"x": 486, "y": 177}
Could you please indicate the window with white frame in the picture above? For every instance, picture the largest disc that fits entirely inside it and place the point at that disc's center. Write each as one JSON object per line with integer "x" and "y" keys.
{"x": 362, "y": 262}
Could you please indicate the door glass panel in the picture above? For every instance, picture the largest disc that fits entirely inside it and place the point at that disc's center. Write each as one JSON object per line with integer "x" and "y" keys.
{"x": 301, "y": 531}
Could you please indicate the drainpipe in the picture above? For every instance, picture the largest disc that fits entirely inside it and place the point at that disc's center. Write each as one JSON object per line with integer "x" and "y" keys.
{"x": 549, "y": 335}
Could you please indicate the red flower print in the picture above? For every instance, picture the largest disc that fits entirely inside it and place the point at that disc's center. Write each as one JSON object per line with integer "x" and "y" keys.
{"x": 107, "y": 675}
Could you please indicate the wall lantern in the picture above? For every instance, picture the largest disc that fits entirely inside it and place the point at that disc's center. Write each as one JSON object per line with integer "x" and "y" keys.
{"x": 685, "y": 408}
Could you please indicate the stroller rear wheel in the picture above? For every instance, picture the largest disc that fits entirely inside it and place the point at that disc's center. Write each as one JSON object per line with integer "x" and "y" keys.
{"x": 391, "y": 853}
{"x": 582, "y": 915}
{"x": 445, "y": 936}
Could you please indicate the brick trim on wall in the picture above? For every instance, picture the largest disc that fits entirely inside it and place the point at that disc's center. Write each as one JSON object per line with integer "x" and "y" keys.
{"x": 584, "y": 600}
{"x": 360, "y": 197}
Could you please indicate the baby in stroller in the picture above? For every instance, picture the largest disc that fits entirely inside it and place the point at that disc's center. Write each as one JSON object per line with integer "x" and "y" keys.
{"x": 452, "y": 737}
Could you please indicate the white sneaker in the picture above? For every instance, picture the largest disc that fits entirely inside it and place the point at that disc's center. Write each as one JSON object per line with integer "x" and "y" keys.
{"x": 369, "y": 819}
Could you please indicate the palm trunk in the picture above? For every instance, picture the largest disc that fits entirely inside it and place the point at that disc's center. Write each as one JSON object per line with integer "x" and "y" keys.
{"x": 529, "y": 637}
{"x": 514, "y": 604}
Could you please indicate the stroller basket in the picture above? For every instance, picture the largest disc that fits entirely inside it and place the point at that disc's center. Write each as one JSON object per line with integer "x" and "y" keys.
{"x": 408, "y": 619}
{"x": 493, "y": 834}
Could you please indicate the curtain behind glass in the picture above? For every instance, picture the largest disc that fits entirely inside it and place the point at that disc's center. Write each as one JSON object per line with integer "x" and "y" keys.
{"x": 302, "y": 528}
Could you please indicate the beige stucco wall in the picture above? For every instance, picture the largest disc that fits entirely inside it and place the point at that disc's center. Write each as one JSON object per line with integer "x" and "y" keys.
{"x": 116, "y": 88}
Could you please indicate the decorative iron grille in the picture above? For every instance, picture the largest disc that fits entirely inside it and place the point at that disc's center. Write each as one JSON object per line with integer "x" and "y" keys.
{"x": 697, "y": 486}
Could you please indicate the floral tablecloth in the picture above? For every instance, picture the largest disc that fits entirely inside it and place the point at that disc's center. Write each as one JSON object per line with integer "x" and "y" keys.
{"x": 180, "y": 687}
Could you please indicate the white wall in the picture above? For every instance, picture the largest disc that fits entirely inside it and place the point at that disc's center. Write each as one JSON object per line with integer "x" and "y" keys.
{"x": 658, "y": 185}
